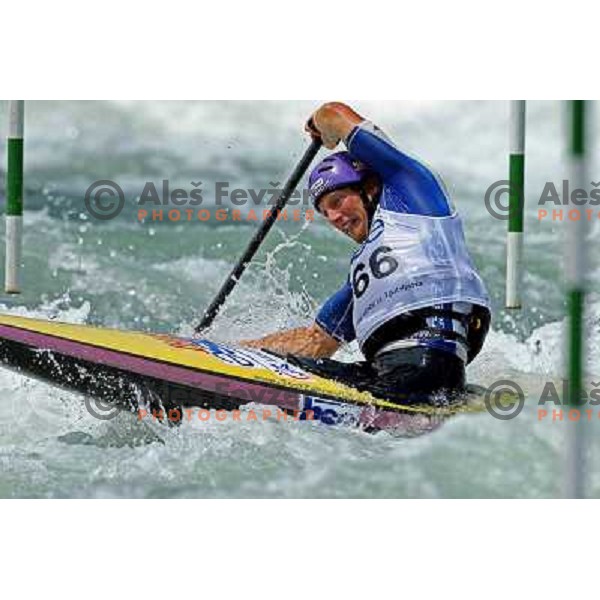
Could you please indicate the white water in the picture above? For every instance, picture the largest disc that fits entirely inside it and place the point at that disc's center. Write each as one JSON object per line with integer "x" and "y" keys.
{"x": 160, "y": 276}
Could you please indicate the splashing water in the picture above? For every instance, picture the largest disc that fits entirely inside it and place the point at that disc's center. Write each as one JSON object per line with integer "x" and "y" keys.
{"x": 160, "y": 276}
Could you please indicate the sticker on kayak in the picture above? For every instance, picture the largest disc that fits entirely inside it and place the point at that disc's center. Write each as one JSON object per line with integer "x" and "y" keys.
{"x": 240, "y": 357}
{"x": 329, "y": 412}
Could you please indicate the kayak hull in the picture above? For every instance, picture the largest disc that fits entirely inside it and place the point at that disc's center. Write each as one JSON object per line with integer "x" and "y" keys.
{"x": 131, "y": 370}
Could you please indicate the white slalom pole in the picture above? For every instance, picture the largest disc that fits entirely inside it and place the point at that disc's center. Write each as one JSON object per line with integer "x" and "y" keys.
{"x": 14, "y": 196}
{"x": 575, "y": 269}
{"x": 514, "y": 241}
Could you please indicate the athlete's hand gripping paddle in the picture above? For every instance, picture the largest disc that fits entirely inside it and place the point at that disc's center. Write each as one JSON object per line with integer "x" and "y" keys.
{"x": 213, "y": 310}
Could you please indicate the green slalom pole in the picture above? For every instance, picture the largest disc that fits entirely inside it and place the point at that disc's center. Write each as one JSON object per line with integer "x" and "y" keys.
{"x": 514, "y": 241}
{"x": 575, "y": 270}
{"x": 14, "y": 196}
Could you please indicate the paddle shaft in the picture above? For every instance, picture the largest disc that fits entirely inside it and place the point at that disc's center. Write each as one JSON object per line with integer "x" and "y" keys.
{"x": 213, "y": 310}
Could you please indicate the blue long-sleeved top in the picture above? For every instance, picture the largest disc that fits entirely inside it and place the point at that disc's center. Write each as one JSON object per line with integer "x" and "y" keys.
{"x": 408, "y": 186}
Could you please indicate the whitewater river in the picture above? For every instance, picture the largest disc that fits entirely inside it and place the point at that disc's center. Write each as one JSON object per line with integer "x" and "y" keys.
{"x": 159, "y": 275}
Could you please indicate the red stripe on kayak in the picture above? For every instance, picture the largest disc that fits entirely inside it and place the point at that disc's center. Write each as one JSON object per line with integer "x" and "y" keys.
{"x": 220, "y": 384}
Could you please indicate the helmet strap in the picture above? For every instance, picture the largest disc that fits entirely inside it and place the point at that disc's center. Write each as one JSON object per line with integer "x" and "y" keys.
{"x": 369, "y": 204}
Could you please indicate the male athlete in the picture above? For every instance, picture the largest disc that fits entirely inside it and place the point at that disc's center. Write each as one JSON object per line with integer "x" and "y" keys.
{"x": 413, "y": 298}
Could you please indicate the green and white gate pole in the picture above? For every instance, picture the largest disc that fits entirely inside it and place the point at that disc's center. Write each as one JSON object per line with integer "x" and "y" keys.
{"x": 575, "y": 270}
{"x": 14, "y": 196}
{"x": 514, "y": 242}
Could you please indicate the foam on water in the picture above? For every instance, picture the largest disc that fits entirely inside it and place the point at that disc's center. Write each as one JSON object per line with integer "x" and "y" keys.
{"x": 53, "y": 447}
{"x": 161, "y": 276}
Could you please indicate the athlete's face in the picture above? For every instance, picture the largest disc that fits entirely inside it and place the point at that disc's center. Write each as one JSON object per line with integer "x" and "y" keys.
{"x": 345, "y": 210}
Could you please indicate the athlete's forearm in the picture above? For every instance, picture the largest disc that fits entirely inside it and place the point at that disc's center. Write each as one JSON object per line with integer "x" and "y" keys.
{"x": 420, "y": 189}
{"x": 303, "y": 341}
{"x": 371, "y": 145}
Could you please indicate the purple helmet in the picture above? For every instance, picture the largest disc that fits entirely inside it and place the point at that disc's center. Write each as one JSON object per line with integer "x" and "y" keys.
{"x": 334, "y": 172}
